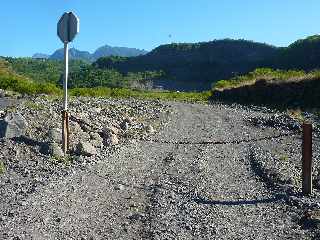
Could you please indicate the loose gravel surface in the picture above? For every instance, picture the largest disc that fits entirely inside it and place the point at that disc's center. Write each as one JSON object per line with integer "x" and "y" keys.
{"x": 208, "y": 172}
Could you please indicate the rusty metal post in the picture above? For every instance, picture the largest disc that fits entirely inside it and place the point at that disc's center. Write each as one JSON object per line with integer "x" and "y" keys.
{"x": 307, "y": 159}
{"x": 65, "y": 131}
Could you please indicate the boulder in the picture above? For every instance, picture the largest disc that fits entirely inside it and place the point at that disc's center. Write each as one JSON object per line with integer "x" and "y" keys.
{"x": 2, "y": 93}
{"x": 128, "y": 120}
{"x": 55, "y": 150}
{"x": 95, "y": 136}
{"x": 150, "y": 129}
{"x": 312, "y": 218}
{"x": 55, "y": 135}
{"x": 110, "y": 130}
{"x": 111, "y": 139}
{"x": 96, "y": 140}
{"x": 97, "y": 143}
{"x": 86, "y": 149}
{"x": 13, "y": 125}
{"x": 52, "y": 149}
{"x": 119, "y": 187}
{"x": 124, "y": 125}
{"x": 96, "y": 110}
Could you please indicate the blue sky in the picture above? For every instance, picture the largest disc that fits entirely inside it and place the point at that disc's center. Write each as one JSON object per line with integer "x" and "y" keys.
{"x": 29, "y": 26}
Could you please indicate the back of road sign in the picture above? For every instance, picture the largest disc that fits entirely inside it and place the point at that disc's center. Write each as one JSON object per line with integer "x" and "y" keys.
{"x": 68, "y": 27}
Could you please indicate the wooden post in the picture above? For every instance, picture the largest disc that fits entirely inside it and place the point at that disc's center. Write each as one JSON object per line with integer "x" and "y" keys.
{"x": 307, "y": 159}
{"x": 65, "y": 131}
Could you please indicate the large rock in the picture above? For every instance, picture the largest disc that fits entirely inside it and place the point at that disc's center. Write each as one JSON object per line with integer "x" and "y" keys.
{"x": 111, "y": 139}
{"x": 86, "y": 149}
{"x": 96, "y": 140}
{"x": 55, "y": 150}
{"x": 128, "y": 120}
{"x": 150, "y": 129}
{"x": 55, "y": 135}
{"x": 95, "y": 136}
{"x": 2, "y": 93}
{"x": 110, "y": 130}
{"x": 125, "y": 123}
{"x": 13, "y": 125}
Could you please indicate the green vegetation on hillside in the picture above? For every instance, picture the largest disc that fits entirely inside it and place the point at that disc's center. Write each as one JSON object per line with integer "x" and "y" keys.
{"x": 276, "y": 88}
{"x": 173, "y": 66}
{"x": 43, "y": 71}
{"x": 141, "y": 94}
{"x": 265, "y": 74}
{"x": 197, "y": 65}
{"x": 303, "y": 54}
{"x": 82, "y": 74}
{"x": 108, "y": 62}
{"x": 177, "y": 66}
{"x": 90, "y": 76}
{"x": 9, "y": 80}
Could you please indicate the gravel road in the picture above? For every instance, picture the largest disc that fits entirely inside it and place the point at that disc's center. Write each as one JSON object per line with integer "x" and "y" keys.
{"x": 186, "y": 181}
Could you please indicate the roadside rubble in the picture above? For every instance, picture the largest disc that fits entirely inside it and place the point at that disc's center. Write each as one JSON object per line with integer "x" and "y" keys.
{"x": 31, "y": 154}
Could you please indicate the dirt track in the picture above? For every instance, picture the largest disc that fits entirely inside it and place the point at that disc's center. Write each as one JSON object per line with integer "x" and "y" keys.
{"x": 154, "y": 190}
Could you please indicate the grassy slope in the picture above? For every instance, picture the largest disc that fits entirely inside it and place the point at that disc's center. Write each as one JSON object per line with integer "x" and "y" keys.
{"x": 268, "y": 75}
{"x": 272, "y": 87}
{"x": 141, "y": 94}
{"x": 9, "y": 80}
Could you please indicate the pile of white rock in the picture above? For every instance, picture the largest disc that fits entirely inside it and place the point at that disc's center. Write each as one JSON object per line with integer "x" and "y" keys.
{"x": 95, "y": 124}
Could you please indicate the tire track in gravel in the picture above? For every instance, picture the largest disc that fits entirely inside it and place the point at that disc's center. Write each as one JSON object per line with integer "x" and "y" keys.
{"x": 149, "y": 190}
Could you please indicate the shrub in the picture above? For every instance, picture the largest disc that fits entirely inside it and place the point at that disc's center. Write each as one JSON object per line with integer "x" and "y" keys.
{"x": 141, "y": 94}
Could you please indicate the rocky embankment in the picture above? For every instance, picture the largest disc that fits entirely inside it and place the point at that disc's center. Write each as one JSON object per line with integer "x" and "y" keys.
{"x": 30, "y": 139}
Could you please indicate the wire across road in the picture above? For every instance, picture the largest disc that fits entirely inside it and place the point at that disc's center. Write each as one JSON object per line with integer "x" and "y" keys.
{"x": 218, "y": 142}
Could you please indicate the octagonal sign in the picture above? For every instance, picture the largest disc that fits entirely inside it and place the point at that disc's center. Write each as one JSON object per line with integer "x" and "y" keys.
{"x": 68, "y": 27}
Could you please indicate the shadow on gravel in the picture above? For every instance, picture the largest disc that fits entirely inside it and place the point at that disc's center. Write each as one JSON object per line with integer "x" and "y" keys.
{"x": 276, "y": 198}
{"x": 29, "y": 141}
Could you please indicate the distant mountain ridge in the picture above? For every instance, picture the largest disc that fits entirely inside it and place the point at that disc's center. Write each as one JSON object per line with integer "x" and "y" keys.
{"x": 107, "y": 50}
{"x": 73, "y": 54}
{"x": 196, "y": 66}
{"x": 40, "y": 55}
{"x": 103, "y": 51}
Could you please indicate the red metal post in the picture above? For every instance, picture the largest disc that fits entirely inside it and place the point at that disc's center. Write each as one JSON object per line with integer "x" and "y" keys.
{"x": 65, "y": 131}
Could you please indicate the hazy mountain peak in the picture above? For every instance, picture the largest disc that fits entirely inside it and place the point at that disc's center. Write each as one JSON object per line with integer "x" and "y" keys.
{"x": 102, "y": 51}
{"x": 107, "y": 50}
{"x": 40, "y": 55}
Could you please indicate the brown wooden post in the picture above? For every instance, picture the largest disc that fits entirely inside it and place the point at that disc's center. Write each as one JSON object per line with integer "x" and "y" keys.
{"x": 68, "y": 130}
{"x": 307, "y": 159}
{"x": 65, "y": 131}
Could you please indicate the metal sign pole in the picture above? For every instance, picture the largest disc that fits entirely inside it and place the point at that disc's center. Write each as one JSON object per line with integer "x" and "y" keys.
{"x": 66, "y": 72}
{"x": 65, "y": 117}
{"x": 67, "y": 29}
